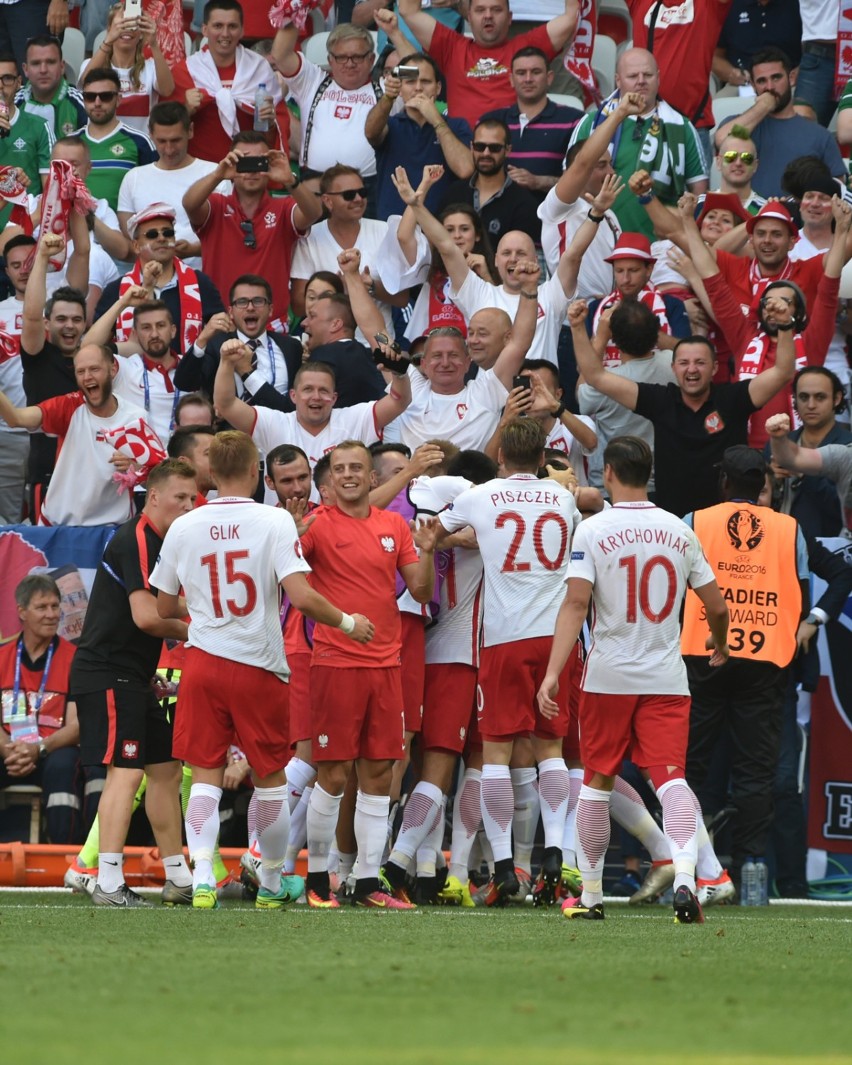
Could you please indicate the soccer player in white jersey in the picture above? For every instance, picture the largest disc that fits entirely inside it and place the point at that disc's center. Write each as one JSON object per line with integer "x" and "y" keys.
{"x": 229, "y": 563}
{"x": 316, "y": 425}
{"x": 524, "y": 528}
{"x": 633, "y": 562}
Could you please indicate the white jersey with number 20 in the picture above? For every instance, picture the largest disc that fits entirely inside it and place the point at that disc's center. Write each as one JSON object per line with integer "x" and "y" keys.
{"x": 639, "y": 559}
{"x": 524, "y": 528}
{"x": 229, "y": 557}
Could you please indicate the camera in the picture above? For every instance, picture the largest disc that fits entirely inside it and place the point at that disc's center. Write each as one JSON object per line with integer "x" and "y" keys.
{"x": 253, "y": 164}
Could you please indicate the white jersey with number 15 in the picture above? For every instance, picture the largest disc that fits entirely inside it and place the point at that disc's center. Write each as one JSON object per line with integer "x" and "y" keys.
{"x": 639, "y": 559}
{"x": 524, "y": 528}
{"x": 229, "y": 558}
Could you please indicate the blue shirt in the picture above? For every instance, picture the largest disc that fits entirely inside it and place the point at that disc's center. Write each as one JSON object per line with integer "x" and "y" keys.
{"x": 412, "y": 146}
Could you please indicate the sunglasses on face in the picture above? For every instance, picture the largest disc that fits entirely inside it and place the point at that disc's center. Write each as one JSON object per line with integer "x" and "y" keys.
{"x": 484, "y": 146}
{"x": 106, "y": 97}
{"x": 152, "y": 234}
{"x": 744, "y": 157}
{"x": 250, "y": 301}
{"x": 249, "y": 238}
{"x": 351, "y": 194}
{"x": 352, "y": 60}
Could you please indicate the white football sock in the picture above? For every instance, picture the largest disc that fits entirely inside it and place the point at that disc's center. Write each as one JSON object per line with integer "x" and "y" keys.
{"x": 110, "y": 871}
{"x": 273, "y": 830}
{"x": 467, "y": 817}
{"x": 300, "y": 775}
{"x": 371, "y": 823}
{"x": 569, "y": 845}
{"x": 631, "y": 813}
{"x": 177, "y": 870}
{"x": 202, "y": 831}
{"x": 680, "y": 821}
{"x": 298, "y": 830}
{"x": 707, "y": 865}
{"x": 498, "y": 805}
{"x": 322, "y": 824}
{"x": 418, "y": 820}
{"x": 525, "y": 817}
{"x": 251, "y": 820}
{"x": 427, "y": 852}
{"x": 592, "y": 841}
{"x": 554, "y": 786}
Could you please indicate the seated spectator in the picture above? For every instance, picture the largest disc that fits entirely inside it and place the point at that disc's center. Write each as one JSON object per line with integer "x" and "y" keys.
{"x": 219, "y": 83}
{"x": 194, "y": 409}
{"x": 477, "y": 67}
{"x": 248, "y": 231}
{"x": 190, "y": 295}
{"x": 334, "y": 105}
{"x": 751, "y": 27}
{"x": 172, "y": 174}
{"x": 47, "y": 94}
{"x": 99, "y": 432}
{"x": 114, "y": 146}
{"x": 344, "y": 197}
{"x": 418, "y": 136}
{"x": 737, "y": 162}
{"x": 143, "y": 80}
{"x": 320, "y": 283}
{"x": 267, "y": 377}
{"x": 502, "y": 204}
{"x": 29, "y": 147}
{"x": 540, "y": 129}
{"x": 39, "y": 734}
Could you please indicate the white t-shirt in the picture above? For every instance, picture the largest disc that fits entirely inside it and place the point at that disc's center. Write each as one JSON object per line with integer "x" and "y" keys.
{"x": 82, "y": 491}
{"x": 162, "y": 397}
{"x": 338, "y": 121}
{"x": 11, "y": 370}
{"x": 468, "y": 418}
{"x": 835, "y": 357}
{"x": 561, "y": 439}
{"x": 524, "y": 528}
{"x": 639, "y": 559}
{"x": 559, "y": 224}
{"x": 476, "y": 294}
{"x": 274, "y": 427}
{"x": 135, "y": 104}
{"x": 229, "y": 558}
{"x": 102, "y": 269}
{"x": 144, "y": 184}
{"x": 455, "y": 635}
{"x": 319, "y": 251}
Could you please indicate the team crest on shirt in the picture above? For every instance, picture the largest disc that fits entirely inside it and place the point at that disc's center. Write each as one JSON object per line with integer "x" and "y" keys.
{"x": 486, "y": 67}
{"x": 118, "y": 149}
{"x": 130, "y": 749}
{"x": 67, "y": 129}
{"x": 269, "y": 219}
{"x": 713, "y": 423}
{"x": 20, "y": 144}
{"x": 461, "y": 410}
{"x": 745, "y": 530}
{"x": 341, "y": 111}
{"x": 388, "y": 544}
{"x": 462, "y": 732}
{"x": 322, "y": 740}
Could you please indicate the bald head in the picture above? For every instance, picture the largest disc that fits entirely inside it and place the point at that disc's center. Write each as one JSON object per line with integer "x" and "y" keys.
{"x": 488, "y": 333}
{"x": 637, "y": 71}
{"x": 514, "y": 247}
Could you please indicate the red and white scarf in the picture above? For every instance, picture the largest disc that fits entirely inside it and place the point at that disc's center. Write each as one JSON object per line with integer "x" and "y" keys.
{"x": 63, "y": 193}
{"x": 190, "y": 322}
{"x": 759, "y": 283}
{"x": 578, "y": 56}
{"x": 442, "y": 311}
{"x": 652, "y": 299}
{"x": 12, "y": 191}
{"x": 754, "y": 361}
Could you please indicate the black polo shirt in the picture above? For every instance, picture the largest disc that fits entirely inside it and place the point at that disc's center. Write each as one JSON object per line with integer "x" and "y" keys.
{"x": 47, "y": 374}
{"x": 512, "y": 208}
{"x": 688, "y": 443}
{"x": 751, "y": 26}
{"x": 357, "y": 379}
{"x": 111, "y": 648}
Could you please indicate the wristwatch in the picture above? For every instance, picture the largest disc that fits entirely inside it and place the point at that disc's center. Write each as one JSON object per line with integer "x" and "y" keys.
{"x": 560, "y": 410}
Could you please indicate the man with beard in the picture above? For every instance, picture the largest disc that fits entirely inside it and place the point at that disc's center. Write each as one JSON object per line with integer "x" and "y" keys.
{"x": 101, "y": 436}
{"x": 779, "y": 134}
{"x": 503, "y": 204}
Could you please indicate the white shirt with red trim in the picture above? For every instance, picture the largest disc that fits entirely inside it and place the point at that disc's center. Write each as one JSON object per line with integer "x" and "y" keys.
{"x": 476, "y": 295}
{"x": 559, "y": 224}
{"x": 467, "y": 418}
{"x": 229, "y": 558}
{"x": 639, "y": 559}
{"x": 162, "y": 396}
{"x": 524, "y": 527}
{"x": 455, "y": 635}
{"x": 82, "y": 490}
{"x": 274, "y": 427}
{"x": 560, "y": 439}
{"x": 11, "y": 370}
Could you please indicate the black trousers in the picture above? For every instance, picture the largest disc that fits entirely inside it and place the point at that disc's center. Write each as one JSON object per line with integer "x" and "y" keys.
{"x": 748, "y": 699}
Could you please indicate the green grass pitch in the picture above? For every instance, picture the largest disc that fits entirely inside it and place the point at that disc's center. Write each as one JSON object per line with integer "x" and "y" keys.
{"x": 433, "y": 987}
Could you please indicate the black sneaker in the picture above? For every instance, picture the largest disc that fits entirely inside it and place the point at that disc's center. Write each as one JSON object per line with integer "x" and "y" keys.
{"x": 572, "y": 908}
{"x": 687, "y": 908}
{"x": 547, "y": 888}
{"x": 426, "y": 891}
{"x": 502, "y": 885}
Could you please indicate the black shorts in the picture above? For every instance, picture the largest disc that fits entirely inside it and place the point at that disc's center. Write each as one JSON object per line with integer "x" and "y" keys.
{"x": 124, "y": 727}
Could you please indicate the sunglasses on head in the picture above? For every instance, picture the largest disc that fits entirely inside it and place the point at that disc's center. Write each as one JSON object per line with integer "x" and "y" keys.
{"x": 351, "y": 194}
{"x": 249, "y": 238}
{"x": 486, "y": 146}
{"x": 152, "y": 234}
{"x": 107, "y": 97}
{"x": 744, "y": 157}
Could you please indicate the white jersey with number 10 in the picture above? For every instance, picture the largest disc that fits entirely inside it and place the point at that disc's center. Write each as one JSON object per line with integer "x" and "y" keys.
{"x": 229, "y": 558}
{"x": 639, "y": 559}
{"x": 524, "y": 528}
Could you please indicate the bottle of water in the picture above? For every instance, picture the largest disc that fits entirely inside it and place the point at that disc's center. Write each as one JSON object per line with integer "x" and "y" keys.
{"x": 762, "y": 882}
{"x": 749, "y": 883}
{"x": 261, "y": 98}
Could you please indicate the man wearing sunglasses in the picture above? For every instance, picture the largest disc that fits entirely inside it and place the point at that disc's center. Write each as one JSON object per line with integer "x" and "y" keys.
{"x": 343, "y": 194}
{"x": 190, "y": 295}
{"x": 737, "y": 162}
{"x": 115, "y": 147}
{"x": 247, "y": 231}
{"x": 25, "y": 139}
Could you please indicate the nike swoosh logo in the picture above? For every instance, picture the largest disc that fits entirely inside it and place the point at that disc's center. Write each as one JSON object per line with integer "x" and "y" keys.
{"x": 109, "y": 863}
{"x": 380, "y": 906}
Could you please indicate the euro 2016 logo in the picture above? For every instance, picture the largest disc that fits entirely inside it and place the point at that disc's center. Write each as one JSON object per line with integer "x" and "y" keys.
{"x": 745, "y": 530}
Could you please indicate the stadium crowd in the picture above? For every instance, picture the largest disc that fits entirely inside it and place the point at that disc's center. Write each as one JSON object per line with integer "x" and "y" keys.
{"x": 472, "y": 368}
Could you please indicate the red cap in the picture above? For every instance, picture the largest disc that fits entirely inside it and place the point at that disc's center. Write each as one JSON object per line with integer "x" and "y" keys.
{"x": 631, "y": 246}
{"x": 773, "y": 209}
